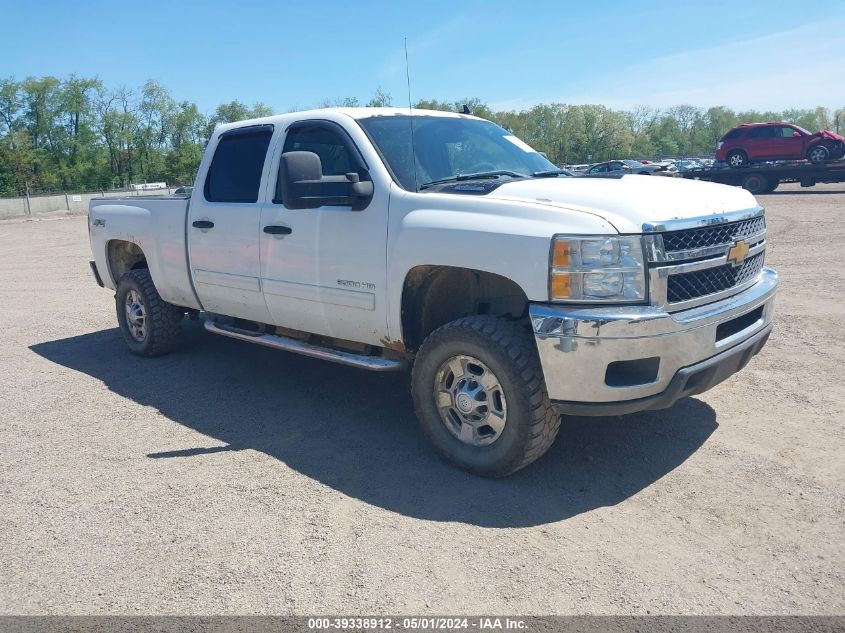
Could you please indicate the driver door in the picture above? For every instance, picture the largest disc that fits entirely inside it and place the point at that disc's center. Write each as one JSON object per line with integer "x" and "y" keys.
{"x": 326, "y": 273}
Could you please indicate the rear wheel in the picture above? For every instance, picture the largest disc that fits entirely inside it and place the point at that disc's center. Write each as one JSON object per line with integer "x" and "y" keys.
{"x": 480, "y": 396}
{"x": 150, "y": 326}
{"x": 737, "y": 158}
{"x": 757, "y": 183}
{"x": 773, "y": 184}
{"x": 818, "y": 154}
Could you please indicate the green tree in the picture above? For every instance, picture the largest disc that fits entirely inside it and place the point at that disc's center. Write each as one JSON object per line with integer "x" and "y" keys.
{"x": 235, "y": 111}
{"x": 78, "y": 134}
{"x": 380, "y": 99}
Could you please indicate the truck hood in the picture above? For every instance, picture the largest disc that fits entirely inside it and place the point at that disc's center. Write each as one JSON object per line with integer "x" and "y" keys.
{"x": 630, "y": 201}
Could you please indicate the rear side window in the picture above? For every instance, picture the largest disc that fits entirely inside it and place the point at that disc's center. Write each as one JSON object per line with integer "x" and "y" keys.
{"x": 733, "y": 134}
{"x": 235, "y": 172}
{"x": 760, "y": 132}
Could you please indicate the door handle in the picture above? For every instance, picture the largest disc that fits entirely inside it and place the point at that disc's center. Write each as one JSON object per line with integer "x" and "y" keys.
{"x": 203, "y": 224}
{"x": 278, "y": 230}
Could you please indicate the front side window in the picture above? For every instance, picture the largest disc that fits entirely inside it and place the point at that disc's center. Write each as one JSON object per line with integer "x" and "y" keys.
{"x": 333, "y": 150}
{"x": 442, "y": 147}
{"x": 235, "y": 171}
{"x": 599, "y": 169}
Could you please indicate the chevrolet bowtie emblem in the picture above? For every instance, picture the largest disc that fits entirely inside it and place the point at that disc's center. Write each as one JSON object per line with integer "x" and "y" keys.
{"x": 738, "y": 252}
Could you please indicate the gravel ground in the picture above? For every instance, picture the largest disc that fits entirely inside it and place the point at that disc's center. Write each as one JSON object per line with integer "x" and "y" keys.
{"x": 228, "y": 478}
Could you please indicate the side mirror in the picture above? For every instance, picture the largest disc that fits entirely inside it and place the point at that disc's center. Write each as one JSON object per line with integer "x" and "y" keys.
{"x": 796, "y": 134}
{"x": 302, "y": 185}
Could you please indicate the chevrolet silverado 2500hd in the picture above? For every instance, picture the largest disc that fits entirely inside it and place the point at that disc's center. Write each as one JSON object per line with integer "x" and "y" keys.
{"x": 387, "y": 238}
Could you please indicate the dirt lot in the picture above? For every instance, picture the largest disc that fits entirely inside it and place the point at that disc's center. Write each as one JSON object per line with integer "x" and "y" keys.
{"x": 229, "y": 478}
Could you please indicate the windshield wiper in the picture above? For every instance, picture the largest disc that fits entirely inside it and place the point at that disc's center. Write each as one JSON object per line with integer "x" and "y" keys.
{"x": 478, "y": 176}
{"x": 549, "y": 173}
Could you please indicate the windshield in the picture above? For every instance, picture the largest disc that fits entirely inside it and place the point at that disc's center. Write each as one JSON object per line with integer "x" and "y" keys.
{"x": 446, "y": 147}
{"x": 633, "y": 163}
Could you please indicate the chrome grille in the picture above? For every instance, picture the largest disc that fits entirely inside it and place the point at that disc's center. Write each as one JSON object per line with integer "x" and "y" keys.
{"x": 688, "y": 258}
{"x": 713, "y": 235}
{"x": 700, "y": 283}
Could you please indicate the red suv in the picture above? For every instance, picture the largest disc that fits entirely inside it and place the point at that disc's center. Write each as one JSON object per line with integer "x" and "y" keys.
{"x": 751, "y": 142}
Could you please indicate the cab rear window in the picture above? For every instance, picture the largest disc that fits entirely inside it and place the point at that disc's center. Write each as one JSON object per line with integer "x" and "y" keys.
{"x": 235, "y": 172}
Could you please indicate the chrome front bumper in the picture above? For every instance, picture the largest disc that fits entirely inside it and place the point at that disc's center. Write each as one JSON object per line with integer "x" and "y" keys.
{"x": 614, "y": 360}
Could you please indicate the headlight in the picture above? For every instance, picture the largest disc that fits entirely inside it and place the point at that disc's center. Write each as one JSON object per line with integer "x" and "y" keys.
{"x": 596, "y": 269}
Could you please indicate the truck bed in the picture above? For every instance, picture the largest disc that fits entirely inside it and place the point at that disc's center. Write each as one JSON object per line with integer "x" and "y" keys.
{"x": 157, "y": 224}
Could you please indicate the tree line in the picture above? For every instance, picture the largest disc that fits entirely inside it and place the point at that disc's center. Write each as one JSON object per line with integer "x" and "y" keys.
{"x": 76, "y": 134}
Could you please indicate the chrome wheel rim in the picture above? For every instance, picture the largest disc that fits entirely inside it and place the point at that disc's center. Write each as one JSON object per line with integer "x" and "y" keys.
{"x": 470, "y": 400}
{"x": 817, "y": 155}
{"x": 136, "y": 315}
{"x": 736, "y": 160}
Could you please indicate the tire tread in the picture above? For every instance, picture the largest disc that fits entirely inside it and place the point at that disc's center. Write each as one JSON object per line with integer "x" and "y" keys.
{"x": 164, "y": 320}
{"x": 515, "y": 340}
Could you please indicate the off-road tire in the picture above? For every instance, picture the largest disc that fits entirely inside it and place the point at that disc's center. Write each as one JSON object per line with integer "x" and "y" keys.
{"x": 163, "y": 321}
{"x": 507, "y": 347}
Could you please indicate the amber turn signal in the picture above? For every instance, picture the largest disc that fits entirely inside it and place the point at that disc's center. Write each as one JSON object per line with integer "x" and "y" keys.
{"x": 560, "y": 256}
{"x": 561, "y": 287}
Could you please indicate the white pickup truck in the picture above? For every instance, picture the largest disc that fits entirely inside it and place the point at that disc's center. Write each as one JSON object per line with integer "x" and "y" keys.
{"x": 384, "y": 238}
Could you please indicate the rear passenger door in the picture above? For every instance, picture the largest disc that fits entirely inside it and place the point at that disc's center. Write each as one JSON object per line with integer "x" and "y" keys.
{"x": 224, "y": 225}
{"x": 759, "y": 144}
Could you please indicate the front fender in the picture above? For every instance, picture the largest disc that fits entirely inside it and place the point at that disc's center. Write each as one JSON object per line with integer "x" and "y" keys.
{"x": 505, "y": 238}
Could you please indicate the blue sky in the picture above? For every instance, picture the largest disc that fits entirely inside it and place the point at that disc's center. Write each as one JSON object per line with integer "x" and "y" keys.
{"x": 753, "y": 54}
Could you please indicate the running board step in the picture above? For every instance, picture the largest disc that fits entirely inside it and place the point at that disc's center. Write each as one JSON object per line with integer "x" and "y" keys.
{"x": 373, "y": 363}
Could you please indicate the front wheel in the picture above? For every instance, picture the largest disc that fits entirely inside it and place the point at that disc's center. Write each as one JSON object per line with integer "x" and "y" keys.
{"x": 480, "y": 396}
{"x": 818, "y": 154}
{"x": 150, "y": 326}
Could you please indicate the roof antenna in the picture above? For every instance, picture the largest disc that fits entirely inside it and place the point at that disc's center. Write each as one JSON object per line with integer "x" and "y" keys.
{"x": 411, "y": 117}
{"x": 465, "y": 109}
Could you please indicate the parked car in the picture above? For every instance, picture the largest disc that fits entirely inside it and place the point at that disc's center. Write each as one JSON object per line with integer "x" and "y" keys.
{"x": 756, "y": 142}
{"x": 625, "y": 166}
{"x": 686, "y": 164}
{"x": 577, "y": 168}
{"x": 515, "y": 292}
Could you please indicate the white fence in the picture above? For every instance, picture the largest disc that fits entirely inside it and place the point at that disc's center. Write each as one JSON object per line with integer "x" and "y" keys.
{"x": 69, "y": 202}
